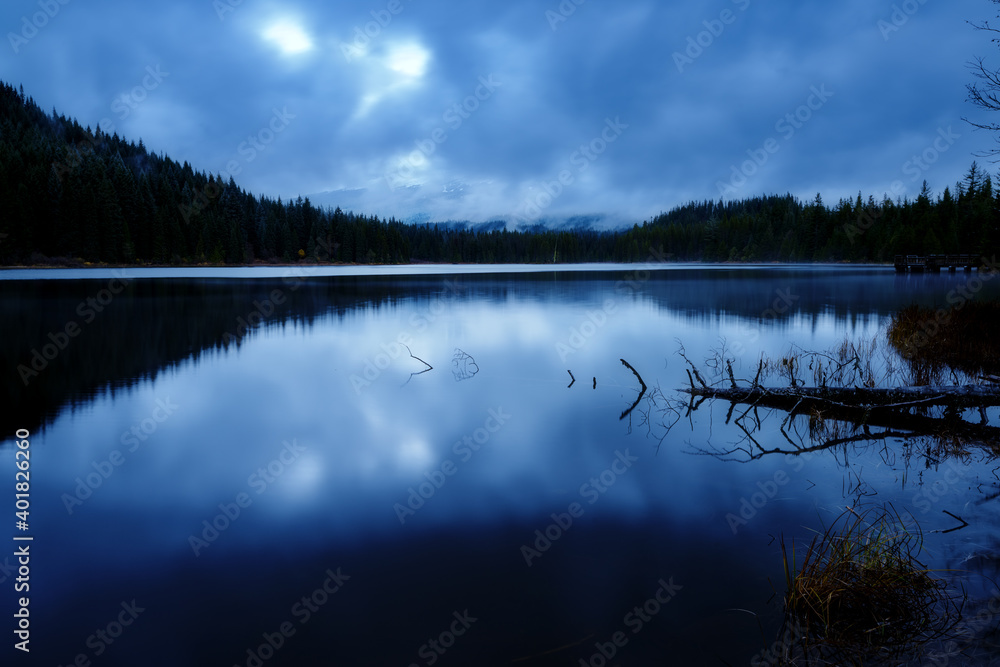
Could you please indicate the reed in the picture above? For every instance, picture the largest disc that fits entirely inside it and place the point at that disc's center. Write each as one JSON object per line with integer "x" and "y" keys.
{"x": 859, "y": 595}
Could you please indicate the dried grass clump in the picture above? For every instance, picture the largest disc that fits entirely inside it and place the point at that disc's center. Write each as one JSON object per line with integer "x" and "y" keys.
{"x": 860, "y": 594}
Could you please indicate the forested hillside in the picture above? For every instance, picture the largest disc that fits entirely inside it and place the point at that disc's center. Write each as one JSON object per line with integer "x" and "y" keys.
{"x": 70, "y": 195}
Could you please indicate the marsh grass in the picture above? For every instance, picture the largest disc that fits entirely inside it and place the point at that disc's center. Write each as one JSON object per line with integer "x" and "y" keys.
{"x": 860, "y": 596}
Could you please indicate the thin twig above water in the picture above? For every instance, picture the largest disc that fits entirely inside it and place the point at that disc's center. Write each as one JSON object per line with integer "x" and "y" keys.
{"x": 641, "y": 393}
{"x": 429, "y": 367}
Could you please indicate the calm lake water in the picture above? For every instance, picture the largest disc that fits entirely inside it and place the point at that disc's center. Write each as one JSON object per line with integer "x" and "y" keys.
{"x": 390, "y": 466}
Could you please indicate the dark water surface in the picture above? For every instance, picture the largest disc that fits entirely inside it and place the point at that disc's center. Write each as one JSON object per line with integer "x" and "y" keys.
{"x": 479, "y": 513}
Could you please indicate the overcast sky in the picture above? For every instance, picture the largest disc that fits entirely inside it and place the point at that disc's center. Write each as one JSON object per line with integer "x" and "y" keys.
{"x": 521, "y": 109}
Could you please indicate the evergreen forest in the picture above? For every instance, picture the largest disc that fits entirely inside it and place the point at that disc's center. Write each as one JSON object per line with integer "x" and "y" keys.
{"x": 71, "y": 196}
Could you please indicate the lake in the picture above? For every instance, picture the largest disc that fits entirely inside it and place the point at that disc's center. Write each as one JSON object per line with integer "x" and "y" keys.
{"x": 435, "y": 465}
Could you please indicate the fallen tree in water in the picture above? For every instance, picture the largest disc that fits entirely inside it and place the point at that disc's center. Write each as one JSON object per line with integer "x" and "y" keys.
{"x": 856, "y": 594}
{"x": 867, "y": 400}
{"x": 902, "y": 410}
{"x": 854, "y": 392}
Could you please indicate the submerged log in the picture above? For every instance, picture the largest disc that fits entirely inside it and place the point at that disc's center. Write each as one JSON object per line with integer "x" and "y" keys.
{"x": 891, "y": 408}
{"x": 864, "y": 398}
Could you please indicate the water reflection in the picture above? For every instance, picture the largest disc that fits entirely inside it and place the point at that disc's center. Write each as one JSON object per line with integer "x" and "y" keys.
{"x": 317, "y": 424}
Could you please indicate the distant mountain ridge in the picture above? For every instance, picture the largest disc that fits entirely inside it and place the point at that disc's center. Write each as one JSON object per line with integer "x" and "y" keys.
{"x": 356, "y": 199}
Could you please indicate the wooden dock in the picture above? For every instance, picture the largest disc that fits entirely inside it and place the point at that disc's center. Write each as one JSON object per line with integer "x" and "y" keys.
{"x": 934, "y": 263}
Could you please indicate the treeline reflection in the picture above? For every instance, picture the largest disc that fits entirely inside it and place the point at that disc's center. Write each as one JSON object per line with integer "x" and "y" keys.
{"x": 64, "y": 341}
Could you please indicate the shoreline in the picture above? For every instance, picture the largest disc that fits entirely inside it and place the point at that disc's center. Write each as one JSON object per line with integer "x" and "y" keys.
{"x": 258, "y": 265}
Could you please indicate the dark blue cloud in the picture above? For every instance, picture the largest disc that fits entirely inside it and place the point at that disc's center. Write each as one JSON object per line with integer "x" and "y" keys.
{"x": 479, "y": 111}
